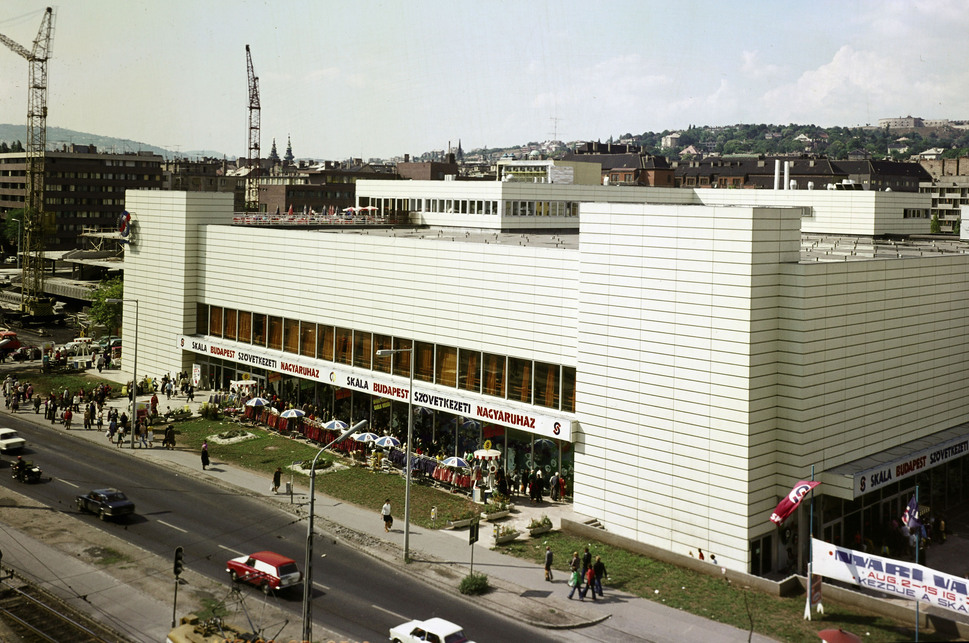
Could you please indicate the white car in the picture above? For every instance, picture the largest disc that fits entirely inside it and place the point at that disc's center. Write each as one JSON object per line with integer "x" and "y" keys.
{"x": 10, "y": 441}
{"x": 433, "y": 630}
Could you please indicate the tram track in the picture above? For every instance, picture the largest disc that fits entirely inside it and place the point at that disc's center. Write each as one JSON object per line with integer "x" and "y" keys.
{"x": 34, "y": 616}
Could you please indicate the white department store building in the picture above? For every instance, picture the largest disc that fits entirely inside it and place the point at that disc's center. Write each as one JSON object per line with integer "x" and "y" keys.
{"x": 684, "y": 356}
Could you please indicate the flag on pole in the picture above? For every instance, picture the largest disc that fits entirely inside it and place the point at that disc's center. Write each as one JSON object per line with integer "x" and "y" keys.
{"x": 789, "y": 503}
{"x": 911, "y": 517}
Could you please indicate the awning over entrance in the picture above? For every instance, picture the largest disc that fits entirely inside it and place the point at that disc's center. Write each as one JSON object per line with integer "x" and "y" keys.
{"x": 856, "y": 478}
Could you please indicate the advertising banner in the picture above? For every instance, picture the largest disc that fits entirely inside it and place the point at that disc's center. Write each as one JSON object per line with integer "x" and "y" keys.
{"x": 897, "y": 577}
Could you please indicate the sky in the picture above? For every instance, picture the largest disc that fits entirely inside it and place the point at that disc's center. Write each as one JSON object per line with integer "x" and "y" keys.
{"x": 384, "y": 78}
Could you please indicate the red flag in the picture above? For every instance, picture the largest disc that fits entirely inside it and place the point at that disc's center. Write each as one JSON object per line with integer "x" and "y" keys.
{"x": 290, "y": 210}
{"x": 789, "y": 503}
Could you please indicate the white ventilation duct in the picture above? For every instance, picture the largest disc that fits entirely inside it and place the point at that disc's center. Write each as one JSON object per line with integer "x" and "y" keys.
{"x": 777, "y": 174}
{"x": 787, "y": 175}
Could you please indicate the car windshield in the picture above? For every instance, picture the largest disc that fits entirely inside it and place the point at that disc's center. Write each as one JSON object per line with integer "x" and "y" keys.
{"x": 457, "y": 637}
{"x": 6, "y": 435}
{"x": 115, "y": 496}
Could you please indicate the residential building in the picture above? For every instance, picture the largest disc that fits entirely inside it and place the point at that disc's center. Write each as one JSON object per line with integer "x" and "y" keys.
{"x": 948, "y": 189}
{"x": 625, "y": 164}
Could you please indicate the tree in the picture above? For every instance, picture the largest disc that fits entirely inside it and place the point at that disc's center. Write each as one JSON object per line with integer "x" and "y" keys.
{"x": 935, "y": 227}
{"x": 11, "y": 227}
{"x": 105, "y": 313}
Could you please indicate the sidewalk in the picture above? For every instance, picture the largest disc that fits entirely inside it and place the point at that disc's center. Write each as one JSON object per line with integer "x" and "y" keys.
{"x": 442, "y": 556}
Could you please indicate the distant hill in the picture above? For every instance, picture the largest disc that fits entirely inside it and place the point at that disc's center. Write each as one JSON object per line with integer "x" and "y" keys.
{"x": 57, "y": 137}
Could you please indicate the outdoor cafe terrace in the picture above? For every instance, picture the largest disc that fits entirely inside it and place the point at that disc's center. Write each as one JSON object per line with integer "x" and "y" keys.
{"x": 362, "y": 216}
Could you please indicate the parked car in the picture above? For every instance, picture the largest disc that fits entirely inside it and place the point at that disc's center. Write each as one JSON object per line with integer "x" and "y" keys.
{"x": 433, "y": 629}
{"x": 11, "y": 441}
{"x": 107, "y": 341}
{"x": 265, "y": 569}
{"x": 106, "y": 503}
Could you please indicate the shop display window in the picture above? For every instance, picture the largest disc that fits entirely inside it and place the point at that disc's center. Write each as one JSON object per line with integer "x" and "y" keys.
{"x": 469, "y": 370}
{"x": 275, "y": 334}
{"x": 307, "y": 339}
{"x": 291, "y": 336}
{"x": 361, "y": 349}
{"x": 343, "y": 346}
{"x": 446, "y": 367}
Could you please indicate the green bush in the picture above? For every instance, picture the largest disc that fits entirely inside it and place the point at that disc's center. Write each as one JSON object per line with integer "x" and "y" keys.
{"x": 210, "y": 412}
{"x": 474, "y": 584}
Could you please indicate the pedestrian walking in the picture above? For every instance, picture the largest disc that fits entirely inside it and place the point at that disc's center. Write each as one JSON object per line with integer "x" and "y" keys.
{"x": 548, "y": 562}
{"x": 68, "y": 414}
{"x": 277, "y": 477}
{"x": 553, "y": 486}
{"x": 575, "y": 580}
{"x": 169, "y": 442}
{"x": 599, "y": 569}
{"x": 587, "y": 582}
{"x": 205, "y": 454}
{"x": 385, "y": 514}
{"x": 586, "y": 561}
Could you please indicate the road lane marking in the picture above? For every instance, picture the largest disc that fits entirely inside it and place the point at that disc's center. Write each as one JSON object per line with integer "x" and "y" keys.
{"x": 234, "y": 551}
{"x": 321, "y": 586}
{"x": 400, "y": 616}
{"x": 70, "y": 483}
{"x": 162, "y": 522}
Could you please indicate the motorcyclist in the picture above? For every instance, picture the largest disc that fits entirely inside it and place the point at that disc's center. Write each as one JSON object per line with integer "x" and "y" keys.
{"x": 20, "y": 468}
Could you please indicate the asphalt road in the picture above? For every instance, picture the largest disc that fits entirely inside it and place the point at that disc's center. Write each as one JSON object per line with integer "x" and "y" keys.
{"x": 354, "y": 594}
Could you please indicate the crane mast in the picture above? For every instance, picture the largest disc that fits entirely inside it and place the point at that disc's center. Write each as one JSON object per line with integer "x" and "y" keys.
{"x": 252, "y": 176}
{"x": 36, "y": 222}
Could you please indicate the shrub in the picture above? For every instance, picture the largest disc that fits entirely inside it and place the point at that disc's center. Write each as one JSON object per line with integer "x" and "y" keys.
{"x": 210, "y": 412}
{"x": 474, "y": 584}
{"x": 544, "y": 521}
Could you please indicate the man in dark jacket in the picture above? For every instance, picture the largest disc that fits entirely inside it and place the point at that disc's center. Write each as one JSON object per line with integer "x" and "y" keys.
{"x": 599, "y": 569}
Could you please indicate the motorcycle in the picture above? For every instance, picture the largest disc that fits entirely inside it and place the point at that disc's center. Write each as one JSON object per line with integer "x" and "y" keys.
{"x": 28, "y": 472}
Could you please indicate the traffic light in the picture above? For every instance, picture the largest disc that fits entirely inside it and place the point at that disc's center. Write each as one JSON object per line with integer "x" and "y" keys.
{"x": 179, "y": 563}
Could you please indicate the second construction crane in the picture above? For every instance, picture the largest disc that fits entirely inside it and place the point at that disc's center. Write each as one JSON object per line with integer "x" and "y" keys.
{"x": 252, "y": 176}
{"x": 36, "y": 222}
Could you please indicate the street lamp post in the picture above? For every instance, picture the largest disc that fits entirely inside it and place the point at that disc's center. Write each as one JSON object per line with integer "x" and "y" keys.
{"x": 134, "y": 369}
{"x": 308, "y": 566}
{"x": 410, "y": 441}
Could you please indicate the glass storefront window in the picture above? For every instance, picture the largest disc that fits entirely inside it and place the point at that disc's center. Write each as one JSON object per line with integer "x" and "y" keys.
{"x": 215, "y": 321}
{"x": 291, "y": 336}
{"x": 275, "y": 339}
{"x": 230, "y": 323}
{"x": 469, "y": 370}
{"x": 361, "y": 349}
{"x": 446, "y": 371}
{"x": 547, "y": 385}
{"x": 519, "y": 379}
{"x": 258, "y": 329}
{"x": 424, "y": 361}
{"x": 201, "y": 319}
{"x": 402, "y": 360}
{"x": 344, "y": 346}
{"x": 380, "y": 343}
{"x": 324, "y": 342}
{"x": 568, "y": 389}
{"x": 493, "y": 377}
{"x": 245, "y": 327}
{"x": 307, "y": 339}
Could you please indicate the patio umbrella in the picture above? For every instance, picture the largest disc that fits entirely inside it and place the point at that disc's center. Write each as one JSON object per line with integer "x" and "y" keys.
{"x": 455, "y": 462}
{"x": 366, "y": 437}
{"x": 470, "y": 425}
{"x": 487, "y": 454}
{"x": 292, "y": 413}
{"x": 544, "y": 443}
{"x": 258, "y": 401}
{"x": 387, "y": 441}
{"x": 336, "y": 425}
{"x": 838, "y": 636}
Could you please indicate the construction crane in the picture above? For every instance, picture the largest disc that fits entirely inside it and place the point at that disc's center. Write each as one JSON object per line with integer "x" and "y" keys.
{"x": 252, "y": 176}
{"x": 36, "y": 221}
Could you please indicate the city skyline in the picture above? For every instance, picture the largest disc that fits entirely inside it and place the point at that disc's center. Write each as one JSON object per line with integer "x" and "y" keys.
{"x": 381, "y": 79}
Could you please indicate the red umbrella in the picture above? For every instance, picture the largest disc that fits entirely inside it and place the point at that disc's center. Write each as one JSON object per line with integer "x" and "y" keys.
{"x": 838, "y": 636}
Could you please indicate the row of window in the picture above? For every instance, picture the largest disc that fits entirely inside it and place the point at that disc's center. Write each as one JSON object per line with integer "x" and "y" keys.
{"x": 539, "y": 383}
{"x": 54, "y": 200}
{"x": 511, "y": 208}
{"x": 915, "y": 213}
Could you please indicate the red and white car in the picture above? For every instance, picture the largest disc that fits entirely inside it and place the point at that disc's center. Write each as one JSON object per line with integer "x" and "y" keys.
{"x": 267, "y": 570}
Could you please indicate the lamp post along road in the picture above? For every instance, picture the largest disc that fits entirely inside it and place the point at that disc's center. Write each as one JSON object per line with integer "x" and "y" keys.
{"x": 308, "y": 566}
{"x": 410, "y": 441}
{"x": 134, "y": 370}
